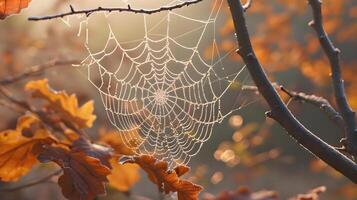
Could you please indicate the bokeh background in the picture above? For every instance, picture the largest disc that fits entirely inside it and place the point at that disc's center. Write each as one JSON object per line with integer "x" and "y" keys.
{"x": 246, "y": 149}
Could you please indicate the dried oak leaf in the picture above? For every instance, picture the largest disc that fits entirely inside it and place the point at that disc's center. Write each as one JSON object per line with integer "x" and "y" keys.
{"x": 168, "y": 181}
{"x": 18, "y": 153}
{"x": 83, "y": 177}
{"x": 123, "y": 176}
{"x": 63, "y": 104}
{"x": 243, "y": 193}
{"x": 9, "y": 7}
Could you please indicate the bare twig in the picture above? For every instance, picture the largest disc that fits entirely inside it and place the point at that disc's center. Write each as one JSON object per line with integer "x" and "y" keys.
{"x": 317, "y": 101}
{"x": 338, "y": 84}
{"x": 88, "y": 12}
{"x": 279, "y": 111}
{"x": 34, "y": 70}
{"x": 33, "y": 183}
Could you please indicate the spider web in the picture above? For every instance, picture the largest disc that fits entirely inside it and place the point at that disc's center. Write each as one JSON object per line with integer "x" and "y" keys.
{"x": 166, "y": 90}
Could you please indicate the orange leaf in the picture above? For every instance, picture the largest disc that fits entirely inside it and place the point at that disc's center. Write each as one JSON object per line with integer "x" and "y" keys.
{"x": 65, "y": 105}
{"x": 19, "y": 153}
{"x": 168, "y": 181}
{"x": 123, "y": 176}
{"x": 83, "y": 177}
{"x": 115, "y": 140}
{"x": 9, "y": 7}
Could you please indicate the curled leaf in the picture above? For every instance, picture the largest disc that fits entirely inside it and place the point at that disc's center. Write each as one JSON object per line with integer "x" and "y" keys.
{"x": 65, "y": 105}
{"x": 168, "y": 181}
{"x": 19, "y": 153}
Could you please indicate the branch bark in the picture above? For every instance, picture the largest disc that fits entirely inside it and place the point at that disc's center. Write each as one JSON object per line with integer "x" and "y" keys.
{"x": 88, "y": 12}
{"x": 279, "y": 111}
{"x": 338, "y": 84}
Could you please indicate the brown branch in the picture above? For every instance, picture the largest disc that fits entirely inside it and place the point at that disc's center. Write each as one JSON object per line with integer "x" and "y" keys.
{"x": 88, "y": 12}
{"x": 33, "y": 183}
{"x": 279, "y": 111}
{"x": 35, "y": 70}
{"x": 338, "y": 84}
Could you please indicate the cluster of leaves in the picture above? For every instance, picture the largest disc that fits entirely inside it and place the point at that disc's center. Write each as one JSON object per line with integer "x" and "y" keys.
{"x": 54, "y": 132}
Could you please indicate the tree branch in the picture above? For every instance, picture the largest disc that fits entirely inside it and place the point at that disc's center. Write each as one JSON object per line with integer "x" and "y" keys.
{"x": 34, "y": 70}
{"x": 279, "y": 111}
{"x": 33, "y": 183}
{"x": 88, "y": 12}
{"x": 338, "y": 84}
{"x": 312, "y": 99}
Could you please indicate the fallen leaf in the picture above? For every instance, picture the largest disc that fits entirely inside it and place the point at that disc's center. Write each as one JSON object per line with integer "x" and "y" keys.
{"x": 19, "y": 153}
{"x": 64, "y": 104}
{"x": 123, "y": 176}
{"x": 166, "y": 180}
{"x": 9, "y": 7}
{"x": 83, "y": 177}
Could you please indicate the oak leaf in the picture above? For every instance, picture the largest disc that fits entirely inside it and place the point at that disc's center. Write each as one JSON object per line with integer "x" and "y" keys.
{"x": 19, "y": 153}
{"x": 123, "y": 176}
{"x": 83, "y": 177}
{"x": 9, "y": 7}
{"x": 166, "y": 180}
{"x": 65, "y": 105}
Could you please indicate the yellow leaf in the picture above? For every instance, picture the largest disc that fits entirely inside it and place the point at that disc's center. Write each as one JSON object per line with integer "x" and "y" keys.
{"x": 123, "y": 177}
{"x": 19, "y": 153}
{"x": 66, "y": 105}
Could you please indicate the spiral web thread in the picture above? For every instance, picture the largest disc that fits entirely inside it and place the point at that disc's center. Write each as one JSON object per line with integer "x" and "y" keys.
{"x": 161, "y": 104}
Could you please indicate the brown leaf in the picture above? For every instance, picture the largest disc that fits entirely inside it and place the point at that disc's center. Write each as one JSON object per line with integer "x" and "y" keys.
{"x": 123, "y": 176}
{"x": 9, "y": 7}
{"x": 83, "y": 176}
{"x": 19, "y": 153}
{"x": 65, "y": 105}
{"x": 168, "y": 181}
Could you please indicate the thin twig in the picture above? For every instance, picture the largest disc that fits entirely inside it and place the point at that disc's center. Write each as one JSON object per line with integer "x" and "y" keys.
{"x": 279, "y": 111}
{"x": 317, "y": 101}
{"x": 88, "y": 12}
{"x": 34, "y": 70}
{"x": 33, "y": 183}
{"x": 338, "y": 84}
